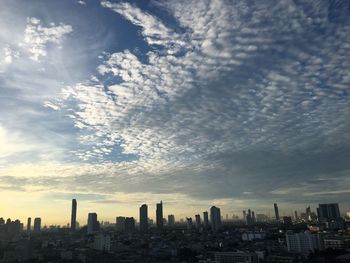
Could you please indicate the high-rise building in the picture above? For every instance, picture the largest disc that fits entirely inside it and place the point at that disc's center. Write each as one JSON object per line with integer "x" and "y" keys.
{"x": 253, "y": 217}
{"x": 120, "y": 223}
{"x": 37, "y": 225}
{"x": 277, "y": 214}
{"x": 328, "y": 212}
{"x": 93, "y": 225}
{"x": 244, "y": 216}
{"x": 215, "y": 218}
{"x": 205, "y": 219}
{"x": 129, "y": 224}
{"x": 189, "y": 222}
{"x": 159, "y": 215}
{"x": 198, "y": 221}
{"x": 171, "y": 220}
{"x": 304, "y": 243}
{"x": 296, "y": 215}
{"x": 73, "y": 221}
{"x": 29, "y": 224}
{"x": 308, "y": 214}
{"x": 144, "y": 218}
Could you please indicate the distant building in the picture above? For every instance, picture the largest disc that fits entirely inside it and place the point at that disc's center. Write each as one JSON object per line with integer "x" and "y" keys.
{"x": 215, "y": 218}
{"x": 93, "y": 225}
{"x": 159, "y": 215}
{"x": 287, "y": 220}
{"x": 236, "y": 257}
{"x": 171, "y": 220}
{"x": 37, "y": 225}
{"x": 277, "y": 214}
{"x": 308, "y": 214}
{"x": 29, "y": 224}
{"x": 205, "y": 219}
{"x": 296, "y": 215}
{"x": 144, "y": 218}
{"x": 253, "y": 217}
{"x": 245, "y": 216}
{"x": 261, "y": 218}
{"x": 73, "y": 222}
{"x": 189, "y": 222}
{"x": 129, "y": 224}
{"x": 102, "y": 242}
{"x": 198, "y": 221}
{"x": 120, "y": 223}
{"x": 304, "y": 243}
{"x": 253, "y": 235}
{"x": 328, "y": 212}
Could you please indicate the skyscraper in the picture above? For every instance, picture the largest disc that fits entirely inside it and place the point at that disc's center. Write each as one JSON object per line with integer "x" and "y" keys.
{"x": 37, "y": 225}
{"x": 277, "y": 215}
{"x": 245, "y": 216}
{"x": 29, "y": 224}
{"x": 129, "y": 224}
{"x": 296, "y": 215}
{"x": 328, "y": 212}
{"x": 143, "y": 218}
{"x": 159, "y": 215}
{"x": 120, "y": 223}
{"x": 308, "y": 213}
{"x": 171, "y": 220}
{"x": 198, "y": 221}
{"x": 93, "y": 224}
{"x": 215, "y": 218}
{"x": 205, "y": 219}
{"x": 73, "y": 221}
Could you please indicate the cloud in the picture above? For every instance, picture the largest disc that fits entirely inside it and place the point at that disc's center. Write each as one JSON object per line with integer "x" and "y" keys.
{"x": 37, "y": 37}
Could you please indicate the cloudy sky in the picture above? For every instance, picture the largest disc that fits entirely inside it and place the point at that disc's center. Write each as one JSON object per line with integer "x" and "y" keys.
{"x": 234, "y": 103}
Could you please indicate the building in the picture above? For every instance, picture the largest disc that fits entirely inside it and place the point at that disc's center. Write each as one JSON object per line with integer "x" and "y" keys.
{"x": 171, "y": 220}
{"x": 144, "y": 218}
{"x": 198, "y": 221}
{"x": 261, "y": 218}
{"x": 93, "y": 225}
{"x": 73, "y": 221}
{"x": 253, "y": 217}
{"x": 159, "y": 215}
{"x": 129, "y": 224}
{"x": 236, "y": 257}
{"x": 189, "y": 222}
{"x": 102, "y": 242}
{"x": 308, "y": 214}
{"x": 120, "y": 223}
{"x": 287, "y": 220}
{"x": 328, "y": 212}
{"x": 253, "y": 235}
{"x": 215, "y": 218}
{"x": 296, "y": 215}
{"x": 277, "y": 214}
{"x": 29, "y": 224}
{"x": 37, "y": 225}
{"x": 304, "y": 243}
{"x": 205, "y": 219}
{"x": 337, "y": 242}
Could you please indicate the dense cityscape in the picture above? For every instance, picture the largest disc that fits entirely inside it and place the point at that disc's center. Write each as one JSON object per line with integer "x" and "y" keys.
{"x": 309, "y": 236}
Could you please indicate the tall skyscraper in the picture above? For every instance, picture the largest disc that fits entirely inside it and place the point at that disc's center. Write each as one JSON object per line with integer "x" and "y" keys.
{"x": 198, "y": 221}
{"x": 120, "y": 223}
{"x": 328, "y": 212}
{"x": 277, "y": 215}
{"x": 159, "y": 215}
{"x": 215, "y": 218}
{"x": 93, "y": 225}
{"x": 37, "y": 225}
{"x": 205, "y": 219}
{"x": 73, "y": 221}
{"x": 245, "y": 216}
{"x": 253, "y": 217}
{"x": 171, "y": 220}
{"x": 144, "y": 218}
{"x": 29, "y": 224}
{"x": 296, "y": 215}
{"x": 308, "y": 213}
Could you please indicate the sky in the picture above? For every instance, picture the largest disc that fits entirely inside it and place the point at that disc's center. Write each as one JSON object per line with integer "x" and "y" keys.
{"x": 238, "y": 104}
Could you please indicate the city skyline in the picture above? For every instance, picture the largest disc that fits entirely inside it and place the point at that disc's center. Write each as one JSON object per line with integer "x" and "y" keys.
{"x": 116, "y": 104}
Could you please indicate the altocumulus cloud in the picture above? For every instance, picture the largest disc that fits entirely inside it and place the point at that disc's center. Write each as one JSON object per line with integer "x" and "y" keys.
{"x": 234, "y": 101}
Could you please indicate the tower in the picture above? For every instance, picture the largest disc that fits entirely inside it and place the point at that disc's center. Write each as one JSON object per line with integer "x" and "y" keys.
{"x": 159, "y": 215}
{"x": 73, "y": 221}
{"x": 143, "y": 218}
{"x": 277, "y": 215}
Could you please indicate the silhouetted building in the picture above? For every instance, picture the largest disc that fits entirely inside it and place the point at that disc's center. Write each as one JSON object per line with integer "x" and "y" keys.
{"x": 120, "y": 223}
{"x": 129, "y": 224}
{"x": 37, "y": 225}
{"x": 245, "y": 216}
{"x": 93, "y": 225}
{"x": 277, "y": 214}
{"x": 287, "y": 220}
{"x": 73, "y": 221}
{"x": 328, "y": 212}
{"x": 29, "y": 224}
{"x": 171, "y": 220}
{"x": 143, "y": 218}
{"x": 205, "y": 219}
{"x": 296, "y": 215}
{"x": 189, "y": 222}
{"x": 215, "y": 218}
{"x": 308, "y": 214}
{"x": 159, "y": 215}
{"x": 253, "y": 217}
{"x": 304, "y": 243}
{"x": 198, "y": 221}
